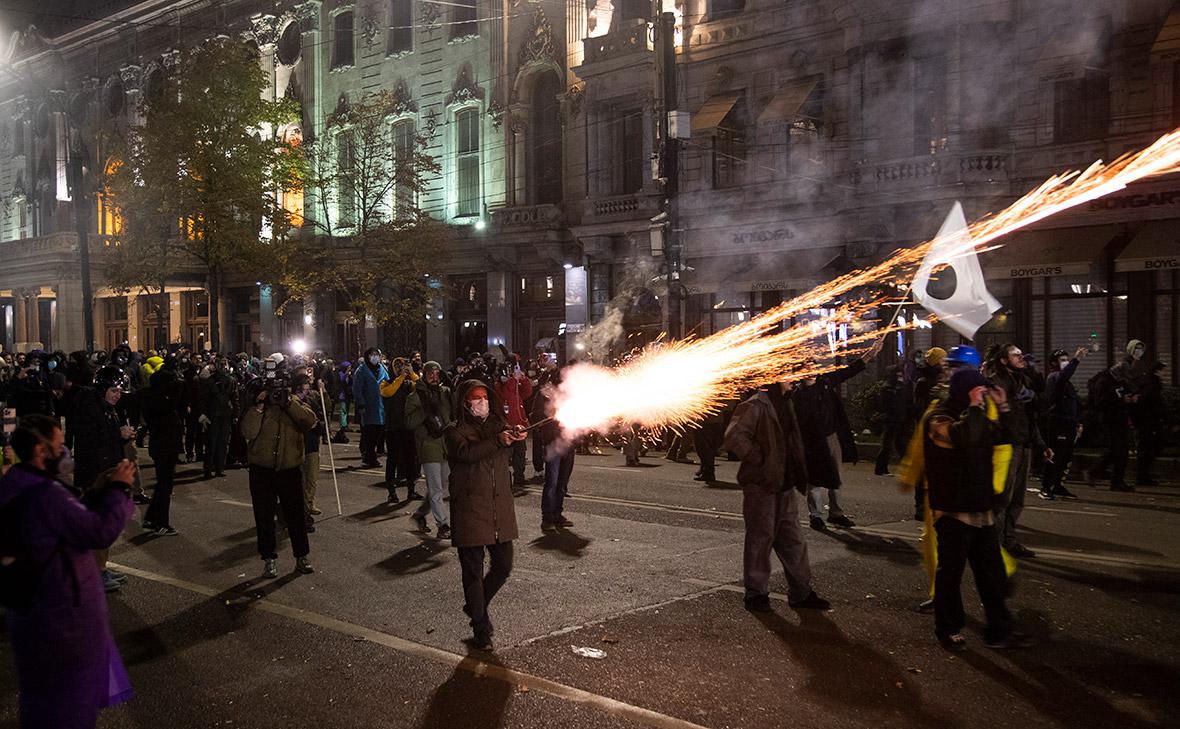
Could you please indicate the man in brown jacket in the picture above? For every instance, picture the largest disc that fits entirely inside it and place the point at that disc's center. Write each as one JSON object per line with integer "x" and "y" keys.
{"x": 764, "y": 435}
{"x": 274, "y": 431}
{"x": 483, "y": 517}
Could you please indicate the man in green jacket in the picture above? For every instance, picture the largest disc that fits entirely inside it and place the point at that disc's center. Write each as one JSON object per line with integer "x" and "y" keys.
{"x": 430, "y": 409}
{"x": 274, "y": 431}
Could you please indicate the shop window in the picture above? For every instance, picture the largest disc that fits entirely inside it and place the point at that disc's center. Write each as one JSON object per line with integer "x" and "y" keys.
{"x": 401, "y": 27}
{"x": 930, "y": 107}
{"x": 545, "y": 138}
{"x": 467, "y": 163}
{"x": 627, "y": 151}
{"x": 1081, "y": 108}
{"x": 343, "y": 50}
{"x": 463, "y": 19}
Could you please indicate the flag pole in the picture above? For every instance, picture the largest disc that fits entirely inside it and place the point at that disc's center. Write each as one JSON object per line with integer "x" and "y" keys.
{"x": 331, "y": 454}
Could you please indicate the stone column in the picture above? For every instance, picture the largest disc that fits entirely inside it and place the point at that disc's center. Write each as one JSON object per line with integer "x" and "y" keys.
{"x": 176, "y": 318}
{"x": 33, "y": 316}
{"x": 133, "y": 320}
{"x": 20, "y": 326}
{"x": 67, "y": 332}
{"x": 499, "y": 309}
{"x": 267, "y": 336}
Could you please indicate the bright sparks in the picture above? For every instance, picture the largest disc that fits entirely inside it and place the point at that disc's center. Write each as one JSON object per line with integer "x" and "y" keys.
{"x": 672, "y": 385}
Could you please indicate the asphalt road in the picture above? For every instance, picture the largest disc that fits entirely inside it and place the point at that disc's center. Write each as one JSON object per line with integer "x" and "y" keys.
{"x": 649, "y": 574}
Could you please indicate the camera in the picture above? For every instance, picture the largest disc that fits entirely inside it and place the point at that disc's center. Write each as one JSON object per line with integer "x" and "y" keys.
{"x": 276, "y": 381}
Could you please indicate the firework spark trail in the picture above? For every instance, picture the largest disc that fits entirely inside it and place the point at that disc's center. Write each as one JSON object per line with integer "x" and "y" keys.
{"x": 678, "y": 383}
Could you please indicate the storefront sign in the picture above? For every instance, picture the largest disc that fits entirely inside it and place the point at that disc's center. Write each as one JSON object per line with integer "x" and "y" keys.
{"x": 1035, "y": 270}
{"x": 1162, "y": 263}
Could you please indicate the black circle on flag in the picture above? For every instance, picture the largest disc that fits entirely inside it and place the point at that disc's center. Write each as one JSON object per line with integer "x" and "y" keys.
{"x": 942, "y": 283}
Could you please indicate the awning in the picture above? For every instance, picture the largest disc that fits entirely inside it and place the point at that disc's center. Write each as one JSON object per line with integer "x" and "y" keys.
{"x": 797, "y": 270}
{"x": 1156, "y": 247}
{"x": 791, "y": 96}
{"x": 713, "y": 111}
{"x": 1058, "y": 252}
{"x": 1065, "y": 58}
{"x": 1167, "y": 43}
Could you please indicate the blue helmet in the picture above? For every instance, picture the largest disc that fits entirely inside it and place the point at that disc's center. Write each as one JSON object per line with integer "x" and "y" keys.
{"x": 963, "y": 356}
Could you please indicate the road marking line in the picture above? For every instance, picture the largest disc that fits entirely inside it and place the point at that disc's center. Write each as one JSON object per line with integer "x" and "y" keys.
{"x": 438, "y": 655}
{"x": 1070, "y": 511}
{"x": 1102, "y": 559}
{"x": 649, "y": 505}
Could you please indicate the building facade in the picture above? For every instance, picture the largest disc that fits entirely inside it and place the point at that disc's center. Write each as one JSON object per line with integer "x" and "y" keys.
{"x": 817, "y": 137}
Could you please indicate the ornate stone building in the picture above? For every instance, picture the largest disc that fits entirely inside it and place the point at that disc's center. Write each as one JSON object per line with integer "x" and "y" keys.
{"x": 819, "y": 135}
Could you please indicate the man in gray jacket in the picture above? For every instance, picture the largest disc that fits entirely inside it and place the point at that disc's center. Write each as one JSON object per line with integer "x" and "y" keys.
{"x": 765, "y": 436}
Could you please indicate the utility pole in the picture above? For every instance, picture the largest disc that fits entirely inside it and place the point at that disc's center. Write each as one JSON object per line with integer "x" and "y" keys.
{"x": 670, "y": 167}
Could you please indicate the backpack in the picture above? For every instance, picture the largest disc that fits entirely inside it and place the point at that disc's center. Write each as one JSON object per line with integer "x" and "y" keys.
{"x": 20, "y": 574}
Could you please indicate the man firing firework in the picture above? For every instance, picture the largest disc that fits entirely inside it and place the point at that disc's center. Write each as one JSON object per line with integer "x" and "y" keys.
{"x": 765, "y": 436}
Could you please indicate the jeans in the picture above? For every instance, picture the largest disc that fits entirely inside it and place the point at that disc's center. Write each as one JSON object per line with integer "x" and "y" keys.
{"x": 1062, "y": 434}
{"x": 772, "y": 522}
{"x": 516, "y": 454}
{"x": 343, "y": 415}
{"x": 558, "y": 467}
{"x": 1115, "y": 458}
{"x": 370, "y": 434}
{"x": 438, "y": 477}
{"x": 960, "y": 544}
{"x": 478, "y": 588}
{"x": 157, "y": 512}
{"x": 1010, "y": 504}
{"x": 401, "y": 465}
{"x": 217, "y": 448}
{"x": 892, "y": 440}
{"x": 270, "y": 489}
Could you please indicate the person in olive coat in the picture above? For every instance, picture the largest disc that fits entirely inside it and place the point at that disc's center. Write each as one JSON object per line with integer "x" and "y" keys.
{"x": 430, "y": 408}
{"x": 483, "y": 518}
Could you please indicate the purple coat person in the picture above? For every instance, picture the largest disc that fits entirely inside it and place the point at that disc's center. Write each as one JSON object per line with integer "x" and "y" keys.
{"x": 66, "y": 658}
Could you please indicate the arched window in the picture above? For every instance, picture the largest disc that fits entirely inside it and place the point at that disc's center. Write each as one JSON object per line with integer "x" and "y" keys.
{"x": 109, "y": 221}
{"x": 545, "y": 141}
{"x": 342, "y": 40}
{"x": 404, "y": 184}
{"x": 467, "y": 163}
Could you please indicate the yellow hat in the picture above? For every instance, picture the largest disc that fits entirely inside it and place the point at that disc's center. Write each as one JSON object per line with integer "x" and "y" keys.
{"x": 935, "y": 356}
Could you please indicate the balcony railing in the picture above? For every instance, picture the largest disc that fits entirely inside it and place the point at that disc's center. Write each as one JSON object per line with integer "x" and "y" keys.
{"x": 941, "y": 169}
{"x": 618, "y": 43}
{"x": 623, "y": 206}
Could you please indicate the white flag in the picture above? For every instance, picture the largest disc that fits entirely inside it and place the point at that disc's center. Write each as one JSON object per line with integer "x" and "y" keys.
{"x": 958, "y": 295}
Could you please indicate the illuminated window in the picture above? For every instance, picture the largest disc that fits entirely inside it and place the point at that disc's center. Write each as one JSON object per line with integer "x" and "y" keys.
{"x": 292, "y": 199}
{"x": 467, "y": 162}
{"x": 108, "y": 218}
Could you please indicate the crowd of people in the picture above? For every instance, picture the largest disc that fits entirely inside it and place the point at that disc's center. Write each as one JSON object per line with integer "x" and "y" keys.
{"x": 968, "y": 429}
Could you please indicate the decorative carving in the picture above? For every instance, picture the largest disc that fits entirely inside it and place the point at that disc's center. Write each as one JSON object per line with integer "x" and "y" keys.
{"x": 496, "y": 112}
{"x": 402, "y": 102}
{"x": 130, "y": 75}
{"x": 170, "y": 59}
{"x": 540, "y": 45}
{"x": 432, "y": 123}
{"x": 518, "y": 123}
{"x": 307, "y": 14}
{"x": 90, "y": 83}
{"x": 370, "y": 28}
{"x": 464, "y": 88}
{"x": 264, "y": 28}
{"x": 432, "y": 14}
{"x": 573, "y": 100}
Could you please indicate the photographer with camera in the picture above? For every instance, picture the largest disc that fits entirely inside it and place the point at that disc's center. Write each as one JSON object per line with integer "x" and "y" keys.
{"x": 274, "y": 430}
{"x": 66, "y": 660}
{"x": 401, "y": 466}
